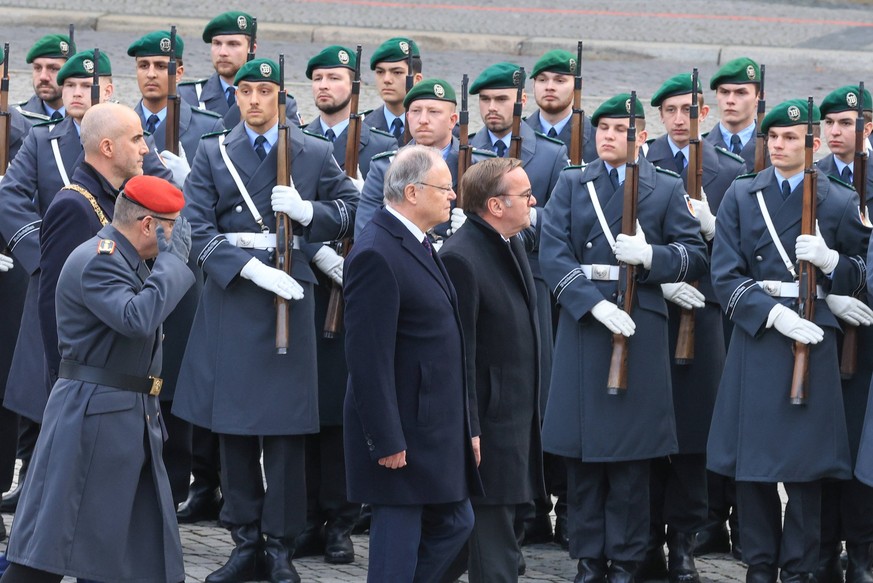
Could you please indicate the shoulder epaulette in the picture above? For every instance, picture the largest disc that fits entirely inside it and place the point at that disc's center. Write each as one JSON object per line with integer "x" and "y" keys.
{"x": 574, "y": 167}
{"x": 486, "y": 153}
{"x": 31, "y": 114}
{"x": 840, "y": 182}
{"x": 106, "y": 247}
{"x": 545, "y": 137}
{"x": 387, "y": 154}
{"x": 704, "y": 135}
{"x": 214, "y": 134}
{"x": 49, "y": 122}
{"x": 471, "y": 136}
{"x": 368, "y": 112}
{"x": 650, "y": 140}
{"x": 665, "y": 171}
{"x": 194, "y": 82}
{"x": 382, "y": 132}
{"x": 315, "y": 135}
{"x": 730, "y": 154}
{"x": 206, "y": 112}
{"x": 749, "y": 175}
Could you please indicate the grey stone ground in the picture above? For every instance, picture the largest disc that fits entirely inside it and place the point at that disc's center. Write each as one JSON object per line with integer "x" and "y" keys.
{"x": 810, "y": 47}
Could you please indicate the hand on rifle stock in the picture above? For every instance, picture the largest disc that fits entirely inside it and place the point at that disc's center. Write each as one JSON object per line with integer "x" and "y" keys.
{"x": 704, "y": 214}
{"x": 613, "y": 318}
{"x": 633, "y": 249}
{"x": 178, "y": 165}
{"x": 330, "y": 263}
{"x": 850, "y": 309}
{"x": 286, "y": 199}
{"x": 683, "y": 295}
{"x": 6, "y": 263}
{"x": 813, "y": 248}
{"x": 272, "y": 279}
{"x": 789, "y": 324}
{"x": 458, "y": 219}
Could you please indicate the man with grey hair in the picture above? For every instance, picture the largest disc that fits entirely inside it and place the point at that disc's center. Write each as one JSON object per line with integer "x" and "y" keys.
{"x": 410, "y": 452}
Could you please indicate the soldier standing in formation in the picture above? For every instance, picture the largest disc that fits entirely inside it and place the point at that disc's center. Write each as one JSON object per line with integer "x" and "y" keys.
{"x": 390, "y": 63}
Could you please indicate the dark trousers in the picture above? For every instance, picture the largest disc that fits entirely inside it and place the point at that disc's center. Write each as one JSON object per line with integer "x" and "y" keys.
{"x": 608, "y": 509}
{"x": 177, "y": 452}
{"x": 326, "y": 478}
{"x": 792, "y": 546}
{"x": 846, "y": 513}
{"x": 205, "y": 458}
{"x": 8, "y": 445}
{"x": 493, "y": 545}
{"x": 281, "y": 508}
{"x": 678, "y": 494}
{"x": 416, "y": 543}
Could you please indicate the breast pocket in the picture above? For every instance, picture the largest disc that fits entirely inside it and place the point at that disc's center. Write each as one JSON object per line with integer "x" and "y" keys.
{"x": 110, "y": 401}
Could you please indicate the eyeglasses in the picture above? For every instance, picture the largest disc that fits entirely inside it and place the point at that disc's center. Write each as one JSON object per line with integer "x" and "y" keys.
{"x": 167, "y": 220}
{"x": 526, "y": 194}
{"x": 443, "y": 188}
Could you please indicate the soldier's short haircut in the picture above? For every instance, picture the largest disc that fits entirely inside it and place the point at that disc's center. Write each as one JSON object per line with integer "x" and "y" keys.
{"x": 126, "y": 212}
{"x": 486, "y": 180}
{"x": 410, "y": 166}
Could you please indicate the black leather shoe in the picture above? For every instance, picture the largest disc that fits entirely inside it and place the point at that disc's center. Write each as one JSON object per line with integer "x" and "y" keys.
{"x": 562, "y": 535}
{"x": 310, "y": 542}
{"x": 860, "y": 563}
{"x": 713, "y": 538}
{"x": 590, "y": 571}
{"x": 202, "y": 504}
{"x": 538, "y": 531}
{"x": 338, "y": 548}
{"x": 681, "y": 557}
{"x": 829, "y": 569}
{"x": 761, "y": 574}
{"x": 245, "y": 559}
{"x": 277, "y": 561}
{"x": 654, "y": 566}
{"x": 621, "y": 572}
{"x": 792, "y": 577}
{"x": 9, "y": 502}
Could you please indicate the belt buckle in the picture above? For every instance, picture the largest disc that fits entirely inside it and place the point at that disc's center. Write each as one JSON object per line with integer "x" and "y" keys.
{"x": 157, "y": 385}
{"x": 600, "y": 272}
{"x": 773, "y": 288}
{"x": 246, "y": 241}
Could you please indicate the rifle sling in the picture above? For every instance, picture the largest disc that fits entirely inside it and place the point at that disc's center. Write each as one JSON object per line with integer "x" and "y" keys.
{"x": 604, "y": 226}
{"x": 774, "y": 235}
{"x": 242, "y": 187}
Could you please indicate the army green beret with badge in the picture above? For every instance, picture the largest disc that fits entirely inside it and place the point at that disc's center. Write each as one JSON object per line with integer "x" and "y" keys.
{"x": 155, "y": 44}
{"x": 234, "y": 22}
{"x": 498, "y": 76}
{"x": 556, "y": 61}
{"x": 737, "y": 71}
{"x": 257, "y": 71}
{"x": 394, "y": 50}
{"x": 431, "y": 89}
{"x": 333, "y": 57}
{"x": 676, "y": 85}
{"x": 790, "y": 113}
{"x": 52, "y": 46}
{"x": 82, "y": 65}
{"x": 617, "y": 107}
{"x": 845, "y": 99}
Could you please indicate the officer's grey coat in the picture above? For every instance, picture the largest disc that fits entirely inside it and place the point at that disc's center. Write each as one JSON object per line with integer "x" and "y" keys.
{"x": 194, "y": 123}
{"x": 96, "y": 503}
{"x": 756, "y": 434}
{"x": 371, "y": 144}
{"x": 715, "y": 138}
{"x": 213, "y": 98}
{"x": 864, "y": 460}
{"x": 33, "y": 108}
{"x": 232, "y": 381}
{"x": 31, "y": 182}
{"x": 375, "y": 118}
{"x": 589, "y": 144}
{"x": 582, "y": 420}
{"x": 695, "y": 384}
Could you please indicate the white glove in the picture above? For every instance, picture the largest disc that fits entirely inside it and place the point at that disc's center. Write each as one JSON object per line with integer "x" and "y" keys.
{"x": 813, "y": 248}
{"x": 357, "y": 180}
{"x": 683, "y": 295}
{"x": 533, "y": 216}
{"x": 851, "y": 310}
{"x": 458, "y": 218}
{"x": 286, "y": 199}
{"x": 178, "y": 165}
{"x": 6, "y": 263}
{"x": 330, "y": 263}
{"x": 790, "y": 324}
{"x": 616, "y": 320}
{"x": 703, "y": 212}
{"x": 633, "y": 249}
{"x": 272, "y": 279}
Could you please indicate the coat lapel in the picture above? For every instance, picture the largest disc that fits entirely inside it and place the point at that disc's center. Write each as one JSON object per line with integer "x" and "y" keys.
{"x": 432, "y": 264}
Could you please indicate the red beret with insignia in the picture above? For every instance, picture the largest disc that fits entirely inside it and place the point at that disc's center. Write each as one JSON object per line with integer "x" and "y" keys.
{"x": 154, "y": 194}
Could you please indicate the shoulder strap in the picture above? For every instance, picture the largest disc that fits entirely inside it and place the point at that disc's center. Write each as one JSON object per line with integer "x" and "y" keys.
{"x": 774, "y": 235}
{"x": 242, "y": 187}
{"x": 604, "y": 226}
{"x": 90, "y": 197}
{"x": 56, "y": 150}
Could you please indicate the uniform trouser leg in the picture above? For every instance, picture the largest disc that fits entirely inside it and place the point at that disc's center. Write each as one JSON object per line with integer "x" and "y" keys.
{"x": 493, "y": 545}
{"x": 721, "y": 496}
{"x": 332, "y": 496}
{"x": 177, "y": 453}
{"x": 16, "y": 573}
{"x": 8, "y": 445}
{"x": 856, "y": 511}
{"x": 685, "y": 502}
{"x": 28, "y": 432}
{"x": 205, "y": 458}
{"x": 608, "y": 509}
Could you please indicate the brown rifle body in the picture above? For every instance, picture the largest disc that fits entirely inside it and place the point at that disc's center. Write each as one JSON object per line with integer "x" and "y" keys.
{"x": 284, "y": 234}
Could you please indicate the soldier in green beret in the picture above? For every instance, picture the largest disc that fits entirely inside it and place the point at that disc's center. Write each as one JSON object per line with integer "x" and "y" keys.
{"x": 390, "y": 62}
{"x": 737, "y": 85}
{"x": 46, "y": 57}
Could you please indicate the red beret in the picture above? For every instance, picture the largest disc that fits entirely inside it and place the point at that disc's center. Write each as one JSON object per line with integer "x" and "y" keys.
{"x": 154, "y": 194}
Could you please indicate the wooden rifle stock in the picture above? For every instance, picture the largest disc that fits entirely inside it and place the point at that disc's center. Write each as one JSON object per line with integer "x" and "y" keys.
{"x": 465, "y": 151}
{"x": 172, "y": 121}
{"x": 761, "y": 137}
{"x": 577, "y": 129}
{"x": 284, "y": 234}
{"x": 4, "y": 112}
{"x": 627, "y": 279}
{"x": 333, "y": 319}
{"x": 95, "y": 81}
{"x": 684, "y": 354}
{"x": 807, "y": 271}
{"x": 515, "y": 141}
{"x": 410, "y": 81}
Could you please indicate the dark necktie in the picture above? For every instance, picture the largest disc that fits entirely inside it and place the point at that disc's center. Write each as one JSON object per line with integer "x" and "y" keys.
{"x": 552, "y": 133}
{"x": 397, "y": 129}
{"x": 786, "y": 190}
{"x": 56, "y": 115}
{"x": 613, "y": 177}
{"x": 260, "y": 150}
{"x": 846, "y": 175}
{"x": 736, "y": 144}
{"x": 330, "y": 135}
{"x": 500, "y": 148}
{"x": 152, "y": 123}
{"x": 679, "y": 160}
{"x": 231, "y": 96}
{"x": 427, "y": 246}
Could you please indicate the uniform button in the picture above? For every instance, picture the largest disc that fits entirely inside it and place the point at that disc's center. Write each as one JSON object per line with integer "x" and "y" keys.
{"x": 238, "y": 208}
{"x": 758, "y": 258}
{"x": 269, "y": 249}
{"x": 589, "y": 245}
{"x": 147, "y": 418}
{"x": 372, "y": 448}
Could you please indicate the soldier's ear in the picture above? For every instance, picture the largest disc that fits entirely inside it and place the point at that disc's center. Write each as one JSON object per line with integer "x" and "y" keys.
{"x": 816, "y": 143}
{"x": 180, "y": 70}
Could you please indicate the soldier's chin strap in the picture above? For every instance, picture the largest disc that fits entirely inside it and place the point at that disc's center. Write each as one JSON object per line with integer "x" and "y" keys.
{"x": 774, "y": 235}
{"x": 244, "y": 192}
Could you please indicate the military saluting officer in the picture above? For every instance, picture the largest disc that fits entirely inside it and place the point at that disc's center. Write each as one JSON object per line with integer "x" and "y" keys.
{"x": 232, "y": 381}
{"x": 611, "y": 438}
{"x": 46, "y": 57}
{"x": 758, "y": 436}
{"x": 737, "y": 90}
{"x": 390, "y": 63}
{"x": 102, "y": 436}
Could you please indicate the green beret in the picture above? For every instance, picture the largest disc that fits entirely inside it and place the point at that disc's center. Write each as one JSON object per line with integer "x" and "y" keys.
{"x": 82, "y": 65}
{"x": 618, "y": 106}
{"x": 739, "y": 71}
{"x": 228, "y": 23}
{"x": 431, "y": 89}
{"x": 845, "y": 99}
{"x": 53, "y": 46}
{"x": 499, "y": 76}
{"x": 677, "y": 85}
{"x": 333, "y": 57}
{"x": 258, "y": 70}
{"x": 789, "y": 113}
{"x": 155, "y": 44}
{"x": 556, "y": 61}
{"x": 393, "y": 50}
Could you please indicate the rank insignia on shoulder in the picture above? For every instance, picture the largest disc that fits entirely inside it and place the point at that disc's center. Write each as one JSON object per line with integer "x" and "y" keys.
{"x": 690, "y": 206}
{"x": 106, "y": 247}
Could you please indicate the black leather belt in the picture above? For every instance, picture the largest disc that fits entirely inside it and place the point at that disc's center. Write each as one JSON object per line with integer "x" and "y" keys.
{"x": 100, "y": 376}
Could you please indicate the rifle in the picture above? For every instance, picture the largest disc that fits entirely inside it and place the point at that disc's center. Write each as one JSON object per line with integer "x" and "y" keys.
{"x": 95, "y": 83}
{"x": 807, "y": 272}
{"x": 4, "y": 112}
{"x": 760, "y": 136}
{"x": 72, "y": 41}
{"x": 849, "y": 356}
{"x": 253, "y": 40}
{"x": 465, "y": 151}
{"x": 333, "y": 319}
{"x": 172, "y": 122}
{"x": 410, "y": 81}
{"x": 515, "y": 141}
{"x": 684, "y": 354}
{"x": 284, "y": 235}
{"x": 627, "y": 278}
{"x": 577, "y": 129}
